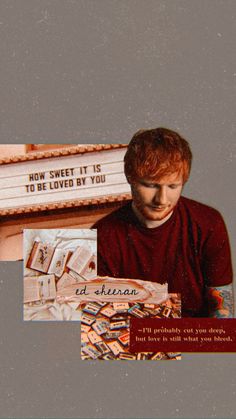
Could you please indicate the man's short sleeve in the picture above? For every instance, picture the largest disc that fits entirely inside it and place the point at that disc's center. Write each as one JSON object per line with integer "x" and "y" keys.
{"x": 217, "y": 266}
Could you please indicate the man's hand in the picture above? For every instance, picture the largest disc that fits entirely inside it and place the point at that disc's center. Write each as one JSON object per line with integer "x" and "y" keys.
{"x": 220, "y": 301}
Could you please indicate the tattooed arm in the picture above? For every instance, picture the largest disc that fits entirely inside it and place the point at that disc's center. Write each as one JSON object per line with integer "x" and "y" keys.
{"x": 220, "y": 301}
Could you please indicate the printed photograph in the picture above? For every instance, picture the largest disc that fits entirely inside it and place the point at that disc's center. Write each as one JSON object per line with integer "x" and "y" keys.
{"x": 57, "y": 186}
{"x": 105, "y": 328}
{"x": 54, "y": 259}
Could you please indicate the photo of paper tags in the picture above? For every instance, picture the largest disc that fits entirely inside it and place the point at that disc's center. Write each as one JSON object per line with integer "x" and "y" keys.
{"x": 54, "y": 259}
{"x": 105, "y": 328}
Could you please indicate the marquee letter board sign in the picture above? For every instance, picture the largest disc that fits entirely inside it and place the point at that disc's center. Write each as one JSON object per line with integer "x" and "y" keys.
{"x": 81, "y": 175}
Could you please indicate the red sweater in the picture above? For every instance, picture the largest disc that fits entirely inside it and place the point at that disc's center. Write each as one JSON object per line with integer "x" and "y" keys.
{"x": 189, "y": 251}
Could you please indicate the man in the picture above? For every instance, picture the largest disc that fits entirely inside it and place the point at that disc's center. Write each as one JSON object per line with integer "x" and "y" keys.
{"x": 163, "y": 237}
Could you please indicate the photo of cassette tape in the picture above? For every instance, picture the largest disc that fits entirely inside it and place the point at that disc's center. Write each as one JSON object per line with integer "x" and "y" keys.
{"x": 105, "y": 328}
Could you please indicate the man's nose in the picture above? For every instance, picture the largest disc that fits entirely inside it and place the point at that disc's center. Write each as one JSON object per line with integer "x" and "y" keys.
{"x": 161, "y": 195}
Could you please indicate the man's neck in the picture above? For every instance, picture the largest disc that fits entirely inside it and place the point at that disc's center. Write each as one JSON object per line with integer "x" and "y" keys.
{"x": 149, "y": 223}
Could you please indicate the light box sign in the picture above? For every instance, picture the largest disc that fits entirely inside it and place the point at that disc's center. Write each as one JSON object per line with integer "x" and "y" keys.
{"x": 63, "y": 181}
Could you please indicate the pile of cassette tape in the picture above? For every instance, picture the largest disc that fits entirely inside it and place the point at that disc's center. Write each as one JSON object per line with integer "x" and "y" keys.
{"x": 105, "y": 328}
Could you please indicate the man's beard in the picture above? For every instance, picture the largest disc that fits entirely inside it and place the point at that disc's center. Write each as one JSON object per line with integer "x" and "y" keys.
{"x": 152, "y": 215}
{"x": 144, "y": 213}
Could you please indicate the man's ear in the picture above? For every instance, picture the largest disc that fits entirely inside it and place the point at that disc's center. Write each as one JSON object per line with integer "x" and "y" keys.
{"x": 128, "y": 178}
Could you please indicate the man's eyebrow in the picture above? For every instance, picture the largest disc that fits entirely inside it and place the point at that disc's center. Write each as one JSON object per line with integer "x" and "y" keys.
{"x": 148, "y": 182}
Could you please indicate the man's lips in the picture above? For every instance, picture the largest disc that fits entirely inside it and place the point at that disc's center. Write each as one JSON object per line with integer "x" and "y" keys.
{"x": 158, "y": 207}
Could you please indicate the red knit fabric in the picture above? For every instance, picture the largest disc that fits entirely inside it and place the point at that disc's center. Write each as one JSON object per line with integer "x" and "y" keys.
{"x": 189, "y": 251}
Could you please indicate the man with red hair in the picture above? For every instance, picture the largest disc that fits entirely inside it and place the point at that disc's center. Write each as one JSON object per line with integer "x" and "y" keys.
{"x": 163, "y": 237}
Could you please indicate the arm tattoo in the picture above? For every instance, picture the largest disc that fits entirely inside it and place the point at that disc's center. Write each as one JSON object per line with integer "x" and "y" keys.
{"x": 220, "y": 301}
